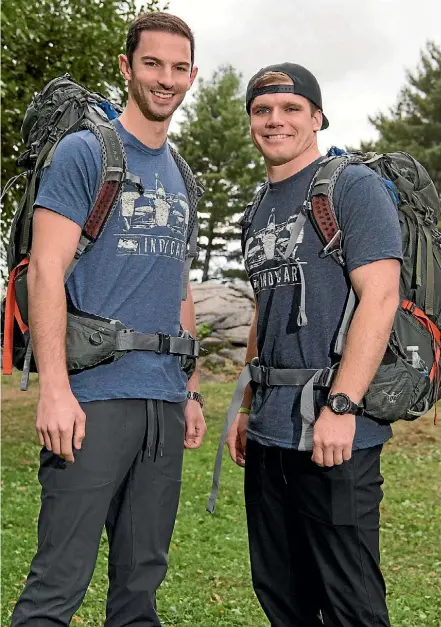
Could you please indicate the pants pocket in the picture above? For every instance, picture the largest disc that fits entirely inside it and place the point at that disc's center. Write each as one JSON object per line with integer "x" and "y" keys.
{"x": 328, "y": 494}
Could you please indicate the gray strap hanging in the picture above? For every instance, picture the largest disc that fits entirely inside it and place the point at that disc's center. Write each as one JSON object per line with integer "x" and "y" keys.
{"x": 297, "y": 228}
{"x": 244, "y": 379}
{"x": 344, "y": 327}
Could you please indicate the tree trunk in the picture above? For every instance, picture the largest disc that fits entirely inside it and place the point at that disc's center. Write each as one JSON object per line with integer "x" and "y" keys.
{"x": 208, "y": 251}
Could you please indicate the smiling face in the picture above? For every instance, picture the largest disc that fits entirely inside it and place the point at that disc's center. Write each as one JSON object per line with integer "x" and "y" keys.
{"x": 283, "y": 126}
{"x": 160, "y": 74}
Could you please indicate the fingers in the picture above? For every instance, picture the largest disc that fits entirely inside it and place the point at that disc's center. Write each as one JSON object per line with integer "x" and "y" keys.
{"x": 41, "y": 438}
{"x": 200, "y": 432}
{"x": 66, "y": 445}
{"x": 338, "y": 456}
{"x": 190, "y": 437}
{"x": 240, "y": 451}
{"x": 193, "y": 435}
{"x": 79, "y": 432}
{"x": 231, "y": 443}
{"x": 330, "y": 456}
{"x": 317, "y": 455}
{"x": 347, "y": 453}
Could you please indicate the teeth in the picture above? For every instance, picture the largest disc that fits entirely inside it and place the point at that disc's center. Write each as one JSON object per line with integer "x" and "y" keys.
{"x": 271, "y": 137}
{"x": 160, "y": 94}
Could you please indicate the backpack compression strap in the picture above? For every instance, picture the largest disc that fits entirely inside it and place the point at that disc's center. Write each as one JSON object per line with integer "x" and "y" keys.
{"x": 194, "y": 192}
{"x": 249, "y": 213}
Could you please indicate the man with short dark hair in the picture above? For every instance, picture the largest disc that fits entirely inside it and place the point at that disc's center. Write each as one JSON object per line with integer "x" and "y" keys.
{"x": 113, "y": 435}
{"x": 312, "y": 469}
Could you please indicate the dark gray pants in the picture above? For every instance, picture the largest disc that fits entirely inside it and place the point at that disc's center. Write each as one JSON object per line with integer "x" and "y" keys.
{"x": 127, "y": 477}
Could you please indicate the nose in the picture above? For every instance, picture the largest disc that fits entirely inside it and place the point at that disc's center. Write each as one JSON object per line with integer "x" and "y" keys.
{"x": 165, "y": 78}
{"x": 274, "y": 120}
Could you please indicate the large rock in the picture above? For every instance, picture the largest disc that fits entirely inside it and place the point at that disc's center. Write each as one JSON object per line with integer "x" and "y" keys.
{"x": 227, "y": 309}
{"x": 236, "y": 355}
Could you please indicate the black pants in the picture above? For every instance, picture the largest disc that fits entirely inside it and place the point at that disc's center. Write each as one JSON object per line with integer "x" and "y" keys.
{"x": 111, "y": 483}
{"x": 314, "y": 538}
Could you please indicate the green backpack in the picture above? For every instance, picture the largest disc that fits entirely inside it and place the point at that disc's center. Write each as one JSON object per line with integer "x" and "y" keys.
{"x": 407, "y": 383}
{"x": 61, "y": 108}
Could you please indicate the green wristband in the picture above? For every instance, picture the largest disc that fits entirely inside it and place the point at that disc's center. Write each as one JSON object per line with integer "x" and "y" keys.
{"x": 244, "y": 410}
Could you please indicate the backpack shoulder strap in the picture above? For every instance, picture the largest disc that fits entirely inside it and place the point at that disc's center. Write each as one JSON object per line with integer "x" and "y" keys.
{"x": 194, "y": 192}
{"x": 249, "y": 213}
{"x": 321, "y": 204}
{"x": 113, "y": 176}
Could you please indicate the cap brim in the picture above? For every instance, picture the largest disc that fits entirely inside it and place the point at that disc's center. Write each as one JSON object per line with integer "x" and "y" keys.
{"x": 325, "y": 122}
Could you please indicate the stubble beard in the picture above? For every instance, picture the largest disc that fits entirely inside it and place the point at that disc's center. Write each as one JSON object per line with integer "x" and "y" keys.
{"x": 139, "y": 97}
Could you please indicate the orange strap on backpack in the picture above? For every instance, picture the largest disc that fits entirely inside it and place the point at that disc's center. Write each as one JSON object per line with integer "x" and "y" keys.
{"x": 12, "y": 313}
{"x": 419, "y": 314}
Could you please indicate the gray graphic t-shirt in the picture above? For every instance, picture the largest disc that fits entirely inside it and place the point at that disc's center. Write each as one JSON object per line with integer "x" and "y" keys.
{"x": 369, "y": 221}
{"x": 134, "y": 271}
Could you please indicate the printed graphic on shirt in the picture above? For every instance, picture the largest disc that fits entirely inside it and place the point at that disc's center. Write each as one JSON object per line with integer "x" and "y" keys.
{"x": 264, "y": 260}
{"x": 141, "y": 214}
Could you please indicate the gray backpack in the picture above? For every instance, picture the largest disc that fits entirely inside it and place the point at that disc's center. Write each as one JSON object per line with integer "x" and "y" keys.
{"x": 407, "y": 384}
{"x": 61, "y": 108}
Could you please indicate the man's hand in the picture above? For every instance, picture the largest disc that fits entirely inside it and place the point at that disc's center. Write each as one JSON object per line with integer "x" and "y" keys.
{"x": 60, "y": 423}
{"x": 333, "y": 438}
{"x": 195, "y": 427}
{"x": 237, "y": 439}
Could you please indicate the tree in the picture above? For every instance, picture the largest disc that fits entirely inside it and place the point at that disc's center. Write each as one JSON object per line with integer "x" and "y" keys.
{"x": 214, "y": 139}
{"x": 414, "y": 124}
{"x": 42, "y": 39}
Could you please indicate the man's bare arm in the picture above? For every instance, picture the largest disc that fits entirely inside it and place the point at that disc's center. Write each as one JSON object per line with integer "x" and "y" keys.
{"x": 59, "y": 417}
{"x": 377, "y": 287}
{"x": 237, "y": 435}
{"x": 195, "y": 427}
{"x": 188, "y": 321}
{"x": 250, "y": 354}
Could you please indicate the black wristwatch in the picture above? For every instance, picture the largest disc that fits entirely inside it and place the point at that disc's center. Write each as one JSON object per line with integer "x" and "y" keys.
{"x": 341, "y": 404}
{"x": 195, "y": 396}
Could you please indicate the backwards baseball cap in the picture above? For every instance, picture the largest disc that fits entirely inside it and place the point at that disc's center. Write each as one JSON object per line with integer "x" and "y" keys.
{"x": 305, "y": 84}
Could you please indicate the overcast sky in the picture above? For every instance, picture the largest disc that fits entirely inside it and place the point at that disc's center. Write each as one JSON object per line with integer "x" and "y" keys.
{"x": 359, "y": 50}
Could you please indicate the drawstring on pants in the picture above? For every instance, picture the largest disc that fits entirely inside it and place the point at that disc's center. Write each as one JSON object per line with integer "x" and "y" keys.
{"x": 154, "y": 415}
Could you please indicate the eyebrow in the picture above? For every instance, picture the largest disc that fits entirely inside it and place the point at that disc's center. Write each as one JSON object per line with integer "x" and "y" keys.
{"x": 149, "y": 57}
{"x": 286, "y": 103}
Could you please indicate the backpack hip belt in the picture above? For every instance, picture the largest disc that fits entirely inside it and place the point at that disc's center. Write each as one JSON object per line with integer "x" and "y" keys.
{"x": 307, "y": 378}
{"x": 91, "y": 340}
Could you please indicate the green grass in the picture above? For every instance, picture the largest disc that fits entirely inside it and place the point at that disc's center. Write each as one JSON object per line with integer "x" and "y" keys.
{"x": 208, "y": 582}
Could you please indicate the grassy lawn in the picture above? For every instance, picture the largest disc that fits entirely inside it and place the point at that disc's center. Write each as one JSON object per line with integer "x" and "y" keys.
{"x": 209, "y": 582}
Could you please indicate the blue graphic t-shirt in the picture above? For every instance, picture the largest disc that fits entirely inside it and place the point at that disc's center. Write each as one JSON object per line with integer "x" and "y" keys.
{"x": 134, "y": 271}
{"x": 369, "y": 221}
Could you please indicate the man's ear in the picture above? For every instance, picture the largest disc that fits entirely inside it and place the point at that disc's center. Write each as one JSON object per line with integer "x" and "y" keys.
{"x": 317, "y": 120}
{"x": 193, "y": 74}
{"x": 124, "y": 67}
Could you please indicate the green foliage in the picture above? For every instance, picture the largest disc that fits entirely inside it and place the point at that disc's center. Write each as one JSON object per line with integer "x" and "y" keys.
{"x": 214, "y": 139}
{"x": 42, "y": 39}
{"x": 414, "y": 124}
{"x": 204, "y": 330}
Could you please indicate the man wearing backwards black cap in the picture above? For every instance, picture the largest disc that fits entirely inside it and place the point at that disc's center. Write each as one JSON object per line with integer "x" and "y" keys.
{"x": 313, "y": 520}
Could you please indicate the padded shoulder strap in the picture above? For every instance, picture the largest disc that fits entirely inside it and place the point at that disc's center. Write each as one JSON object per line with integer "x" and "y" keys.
{"x": 114, "y": 167}
{"x": 322, "y": 210}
